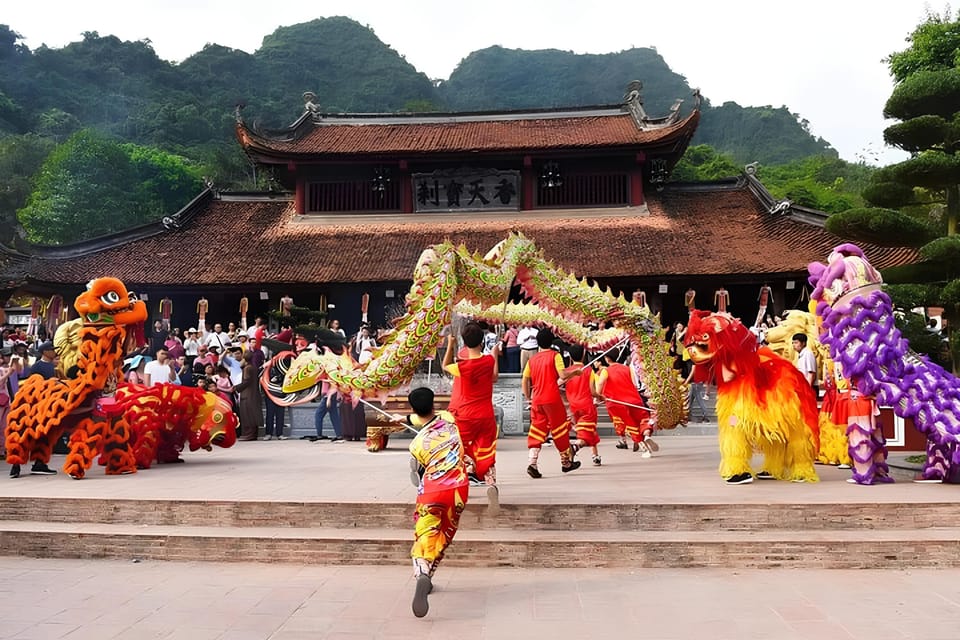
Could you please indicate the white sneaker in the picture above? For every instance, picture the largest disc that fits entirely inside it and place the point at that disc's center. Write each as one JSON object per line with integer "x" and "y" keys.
{"x": 646, "y": 454}
{"x": 268, "y": 437}
{"x": 493, "y": 500}
{"x": 281, "y": 437}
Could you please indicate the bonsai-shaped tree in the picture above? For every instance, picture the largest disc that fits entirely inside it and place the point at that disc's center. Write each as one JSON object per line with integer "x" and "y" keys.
{"x": 917, "y": 201}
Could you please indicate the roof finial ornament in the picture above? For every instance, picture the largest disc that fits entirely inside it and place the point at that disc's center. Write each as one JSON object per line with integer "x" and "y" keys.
{"x": 309, "y": 102}
{"x": 633, "y": 102}
{"x": 633, "y": 92}
{"x": 237, "y": 113}
{"x": 781, "y": 208}
{"x": 751, "y": 169}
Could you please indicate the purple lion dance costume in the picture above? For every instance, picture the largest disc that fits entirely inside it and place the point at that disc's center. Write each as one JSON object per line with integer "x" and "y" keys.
{"x": 858, "y": 327}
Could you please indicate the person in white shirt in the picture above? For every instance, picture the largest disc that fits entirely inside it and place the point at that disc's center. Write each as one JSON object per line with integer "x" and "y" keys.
{"x": 806, "y": 361}
{"x": 159, "y": 371}
{"x": 217, "y": 338}
{"x": 191, "y": 346}
{"x": 527, "y": 341}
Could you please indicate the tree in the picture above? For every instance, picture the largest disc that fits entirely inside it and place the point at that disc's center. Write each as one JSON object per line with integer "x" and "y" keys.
{"x": 926, "y": 101}
{"x": 92, "y": 185}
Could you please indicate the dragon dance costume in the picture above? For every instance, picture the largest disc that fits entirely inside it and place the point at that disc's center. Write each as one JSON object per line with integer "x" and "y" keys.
{"x": 547, "y": 412}
{"x": 624, "y": 404}
{"x": 441, "y": 498}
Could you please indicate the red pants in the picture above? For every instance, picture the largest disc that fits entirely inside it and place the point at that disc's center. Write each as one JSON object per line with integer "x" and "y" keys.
{"x": 549, "y": 418}
{"x": 435, "y": 523}
{"x": 479, "y": 438}
{"x": 586, "y": 421}
{"x": 629, "y": 420}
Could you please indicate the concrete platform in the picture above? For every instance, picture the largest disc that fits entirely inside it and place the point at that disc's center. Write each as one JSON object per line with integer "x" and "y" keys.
{"x": 683, "y": 472}
{"x": 325, "y": 503}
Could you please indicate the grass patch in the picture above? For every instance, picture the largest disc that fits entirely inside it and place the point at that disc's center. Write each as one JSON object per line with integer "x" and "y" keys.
{"x": 916, "y": 459}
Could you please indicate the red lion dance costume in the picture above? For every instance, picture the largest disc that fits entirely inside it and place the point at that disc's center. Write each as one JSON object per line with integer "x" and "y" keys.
{"x": 763, "y": 402}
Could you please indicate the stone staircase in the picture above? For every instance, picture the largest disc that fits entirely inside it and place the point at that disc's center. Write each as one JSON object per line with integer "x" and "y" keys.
{"x": 804, "y": 535}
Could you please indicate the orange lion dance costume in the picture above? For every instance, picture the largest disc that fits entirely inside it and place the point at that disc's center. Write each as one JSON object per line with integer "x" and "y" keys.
{"x": 763, "y": 402}
{"x": 43, "y": 409}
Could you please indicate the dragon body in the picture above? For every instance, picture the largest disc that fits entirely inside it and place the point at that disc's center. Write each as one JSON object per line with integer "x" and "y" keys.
{"x": 763, "y": 402}
{"x": 859, "y": 329}
{"x": 447, "y": 276}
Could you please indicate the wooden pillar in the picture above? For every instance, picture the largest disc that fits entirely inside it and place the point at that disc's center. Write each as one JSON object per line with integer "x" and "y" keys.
{"x": 636, "y": 181}
{"x": 300, "y": 197}
{"x": 406, "y": 188}
{"x": 527, "y": 183}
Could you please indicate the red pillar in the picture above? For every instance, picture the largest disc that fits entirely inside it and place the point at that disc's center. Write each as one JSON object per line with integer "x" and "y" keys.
{"x": 527, "y": 182}
{"x": 636, "y": 181}
{"x": 406, "y": 188}
{"x": 300, "y": 196}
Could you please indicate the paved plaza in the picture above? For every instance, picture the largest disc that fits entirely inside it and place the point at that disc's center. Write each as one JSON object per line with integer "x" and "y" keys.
{"x": 104, "y": 599}
{"x": 109, "y": 599}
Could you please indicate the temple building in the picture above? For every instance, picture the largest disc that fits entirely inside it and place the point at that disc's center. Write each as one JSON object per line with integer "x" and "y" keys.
{"x": 358, "y": 197}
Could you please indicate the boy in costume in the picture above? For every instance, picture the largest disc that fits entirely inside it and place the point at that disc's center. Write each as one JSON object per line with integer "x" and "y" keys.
{"x": 472, "y": 404}
{"x": 580, "y": 394}
{"x": 625, "y": 406}
{"x": 442, "y": 490}
{"x": 541, "y": 376}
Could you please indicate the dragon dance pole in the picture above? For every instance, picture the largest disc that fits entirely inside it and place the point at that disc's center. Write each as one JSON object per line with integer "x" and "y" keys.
{"x": 604, "y": 352}
{"x": 392, "y": 417}
{"x": 627, "y": 404}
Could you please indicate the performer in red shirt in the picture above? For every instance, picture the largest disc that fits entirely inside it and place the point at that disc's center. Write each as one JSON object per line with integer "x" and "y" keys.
{"x": 625, "y": 406}
{"x": 472, "y": 403}
{"x": 547, "y": 413}
{"x": 580, "y": 393}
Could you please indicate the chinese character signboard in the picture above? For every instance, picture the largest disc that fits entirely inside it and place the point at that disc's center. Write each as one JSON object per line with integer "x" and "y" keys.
{"x": 467, "y": 190}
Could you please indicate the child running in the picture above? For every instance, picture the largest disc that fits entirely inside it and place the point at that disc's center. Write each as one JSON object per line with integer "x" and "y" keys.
{"x": 442, "y": 492}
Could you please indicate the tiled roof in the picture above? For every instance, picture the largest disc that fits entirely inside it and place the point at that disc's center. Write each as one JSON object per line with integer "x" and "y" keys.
{"x": 584, "y": 132}
{"x": 698, "y": 232}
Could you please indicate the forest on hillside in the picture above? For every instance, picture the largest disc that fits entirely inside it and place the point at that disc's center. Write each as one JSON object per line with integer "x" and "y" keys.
{"x": 161, "y": 127}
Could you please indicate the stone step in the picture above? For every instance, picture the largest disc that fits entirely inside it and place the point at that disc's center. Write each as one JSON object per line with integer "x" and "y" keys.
{"x": 795, "y": 548}
{"x": 532, "y": 517}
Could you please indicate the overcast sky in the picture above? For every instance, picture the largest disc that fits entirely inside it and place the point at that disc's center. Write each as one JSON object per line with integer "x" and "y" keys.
{"x": 821, "y": 58}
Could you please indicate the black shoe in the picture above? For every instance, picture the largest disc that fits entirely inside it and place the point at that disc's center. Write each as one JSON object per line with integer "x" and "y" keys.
{"x": 573, "y": 466}
{"x": 596, "y": 461}
{"x": 622, "y": 445}
{"x": 765, "y": 475}
{"x": 475, "y": 480}
{"x": 533, "y": 472}
{"x": 41, "y": 469}
{"x": 15, "y": 471}
{"x": 740, "y": 478}
{"x": 420, "y": 603}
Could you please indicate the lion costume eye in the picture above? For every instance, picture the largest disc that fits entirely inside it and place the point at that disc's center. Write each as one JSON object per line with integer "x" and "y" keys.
{"x": 110, "y": 297}
{"x": 705, "y": 337}
{"x": 218, "y": 417}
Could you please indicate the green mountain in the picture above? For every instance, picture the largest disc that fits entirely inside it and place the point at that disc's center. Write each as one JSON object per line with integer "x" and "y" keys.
{"x": 123, "y": 89}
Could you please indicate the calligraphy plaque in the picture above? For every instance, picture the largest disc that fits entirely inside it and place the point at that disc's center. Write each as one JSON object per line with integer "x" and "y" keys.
{"x": 466, "y": 190}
